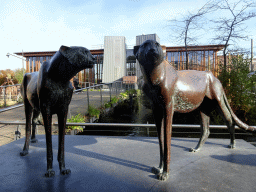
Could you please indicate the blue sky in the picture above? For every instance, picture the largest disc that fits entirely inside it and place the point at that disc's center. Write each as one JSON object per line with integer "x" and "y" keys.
{"x": 46, "y": 25}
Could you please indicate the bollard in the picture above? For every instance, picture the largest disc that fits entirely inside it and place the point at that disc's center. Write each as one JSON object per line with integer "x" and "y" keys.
{"x": 17, "y": 133}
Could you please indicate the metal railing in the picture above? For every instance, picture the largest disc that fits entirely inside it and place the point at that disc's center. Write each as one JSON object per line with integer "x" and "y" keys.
{"x": 114, "y": 88}
{"x": 9, "y": 95}
{"x": 121, "y": 125}
{"x": 147, "y": 127}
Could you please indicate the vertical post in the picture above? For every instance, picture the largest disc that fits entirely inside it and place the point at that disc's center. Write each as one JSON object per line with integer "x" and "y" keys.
{"x": 17, "y": 133}
{"x": 22, "y": 64}
{"x": 32, "y": 64}
{"x": 88, "y": 100}
{"x": 84, "y": 79}
{"x": 209, "y": 61}
{"x": 216, "y": 64}
{"x": 69, "y": 113}
{"x": 4, "y": 96}
{"x": 204, "y": 64}
{"x": 27, "y": 66}
{"x": 116, "y": 88}
{"x": 251, "y": 54}
{"x": 101, "y": 95}
{"x": 178, "y": 61}
{"x": 110, "y": 86}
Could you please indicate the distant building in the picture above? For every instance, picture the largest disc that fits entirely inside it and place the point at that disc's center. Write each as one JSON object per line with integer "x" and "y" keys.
{"x": 139, "y": 40}
{"x": 254, "y": 64}
{"x": 116, "y": 62}
{"x": 252, "y": 67}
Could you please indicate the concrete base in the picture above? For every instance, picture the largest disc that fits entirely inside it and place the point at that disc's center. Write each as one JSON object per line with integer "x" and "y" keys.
{"x": 124, "y": 163}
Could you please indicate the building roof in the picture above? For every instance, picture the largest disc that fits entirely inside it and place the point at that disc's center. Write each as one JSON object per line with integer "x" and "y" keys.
{"x": 51, "y": 53}
{"x": 195, "y": 48}
{"x": 101, "y": 51}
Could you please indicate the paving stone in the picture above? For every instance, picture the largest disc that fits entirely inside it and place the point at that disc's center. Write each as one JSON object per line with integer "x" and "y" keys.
{"x": 100, "y": 163}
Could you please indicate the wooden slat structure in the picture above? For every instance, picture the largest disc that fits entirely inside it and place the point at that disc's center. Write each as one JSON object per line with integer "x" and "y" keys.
{"x": 201, "y": 58}
{"x": 94, "y": 75}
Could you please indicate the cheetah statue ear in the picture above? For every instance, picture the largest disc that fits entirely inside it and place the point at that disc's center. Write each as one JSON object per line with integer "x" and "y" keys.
{"x": 64, "y": 50}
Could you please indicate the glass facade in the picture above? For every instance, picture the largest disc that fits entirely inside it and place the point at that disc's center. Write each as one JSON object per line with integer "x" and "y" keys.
{"x": 130, "y": 63}
{"x": 93, "y": 75}
{"x": 205, "y": 60}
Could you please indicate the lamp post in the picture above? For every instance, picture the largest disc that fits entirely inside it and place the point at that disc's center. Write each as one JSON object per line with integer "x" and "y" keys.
{"x": 8, "y": 55}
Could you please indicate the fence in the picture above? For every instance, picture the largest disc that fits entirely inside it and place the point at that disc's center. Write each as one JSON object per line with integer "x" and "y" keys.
{"x": 114, "y": 89}
{"x": 10, "y": 95}
{"x": 146, "y": 127}
{"x": 108, "y": 91}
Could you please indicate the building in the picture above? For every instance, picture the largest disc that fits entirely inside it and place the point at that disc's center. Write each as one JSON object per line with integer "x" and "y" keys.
{"x": 114, "y": 59}
{"x": 116, "y": 62}
{"x": 139, "y": 40}
{"x": 253, "y": 65}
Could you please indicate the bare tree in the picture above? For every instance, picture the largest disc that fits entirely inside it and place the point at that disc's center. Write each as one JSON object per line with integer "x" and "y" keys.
{"x": 231, "y": 26}
{"x": 187, "y": 28}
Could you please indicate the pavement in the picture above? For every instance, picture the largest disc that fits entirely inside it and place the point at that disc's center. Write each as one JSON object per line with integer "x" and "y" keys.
{"x": 103, "y": 163}
{"x": 79, "y": 104}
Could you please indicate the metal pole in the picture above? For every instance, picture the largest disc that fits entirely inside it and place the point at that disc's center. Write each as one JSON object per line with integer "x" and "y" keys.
{"x": 116, "y": 88}
{"x": 88, "y": 100}
{"x": 101, "y": 95}
{"x": 110, "y": 86}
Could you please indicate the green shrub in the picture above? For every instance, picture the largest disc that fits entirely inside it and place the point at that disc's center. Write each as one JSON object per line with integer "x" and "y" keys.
{"x": 123, "y": 96}
{"x": 239, "y": 87}
{"x": 133, "y": 92}
{"x": 250, "y": 116}
{"x": 107, "y": 105}
{"x": 75, "y": 119}
{"x": 114, "y": 100}
{"x": 19, "y": 75}
{"x": 93, "y": 111}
